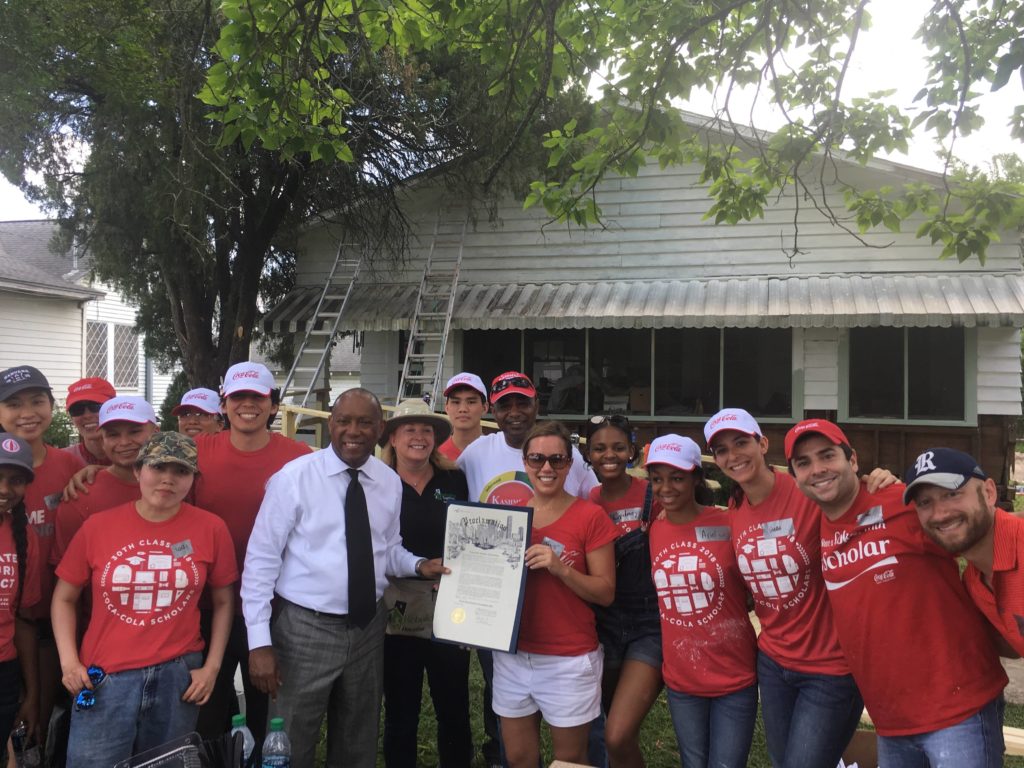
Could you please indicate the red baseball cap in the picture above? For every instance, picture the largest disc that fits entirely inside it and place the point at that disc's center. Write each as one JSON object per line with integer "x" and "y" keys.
{"x": 91, "y": 390}
{"x": 822, "y": 427}
{"x": 511, "y": 383}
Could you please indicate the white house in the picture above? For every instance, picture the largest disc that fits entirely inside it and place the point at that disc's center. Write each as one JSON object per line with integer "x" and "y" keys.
{"x": 668, "y": 317}
{"x": 54, "y": 318}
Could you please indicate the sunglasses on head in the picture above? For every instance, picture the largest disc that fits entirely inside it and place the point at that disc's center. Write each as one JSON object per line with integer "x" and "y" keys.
{"x": 556, "y": 460}
{"x": 614, "y": 418}
{"x": 516, "y": 381}
{"x": 79, "y": 408}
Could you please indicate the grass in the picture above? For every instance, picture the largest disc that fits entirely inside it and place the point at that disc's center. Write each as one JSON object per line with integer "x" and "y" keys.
{"x": 657, "y": 737}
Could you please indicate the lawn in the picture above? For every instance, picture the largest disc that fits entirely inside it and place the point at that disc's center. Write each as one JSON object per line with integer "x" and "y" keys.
{"x": 657, "y": 738}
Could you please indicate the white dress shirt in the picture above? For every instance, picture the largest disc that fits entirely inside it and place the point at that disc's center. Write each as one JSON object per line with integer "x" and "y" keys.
{"x": 298, "y": 549}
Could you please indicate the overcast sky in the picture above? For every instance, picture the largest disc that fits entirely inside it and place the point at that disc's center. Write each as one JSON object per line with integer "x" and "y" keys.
{"x": 887, "y": 57}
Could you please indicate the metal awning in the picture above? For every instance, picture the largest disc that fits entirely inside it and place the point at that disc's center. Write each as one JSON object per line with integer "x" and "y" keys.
{"x": 899, "y": 300}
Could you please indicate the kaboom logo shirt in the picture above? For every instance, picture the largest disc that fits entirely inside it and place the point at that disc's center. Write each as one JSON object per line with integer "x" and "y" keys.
{"x": 146, "y": 578}
{"x": 511, "y": 489}
{"x": 708, "y": 643}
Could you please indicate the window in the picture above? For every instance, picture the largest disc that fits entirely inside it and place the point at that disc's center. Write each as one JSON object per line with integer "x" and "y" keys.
{"x": 669, "y": 373}
{"x": 112, "y": 353}
{"x": 907, "y": 373}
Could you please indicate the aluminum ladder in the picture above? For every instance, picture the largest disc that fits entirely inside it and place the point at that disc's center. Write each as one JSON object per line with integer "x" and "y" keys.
{"x": 432, "y": 317}
{"x": 313, "y": 354}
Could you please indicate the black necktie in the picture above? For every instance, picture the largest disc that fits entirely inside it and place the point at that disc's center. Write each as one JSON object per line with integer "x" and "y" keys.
{"x": 362, "y": 582}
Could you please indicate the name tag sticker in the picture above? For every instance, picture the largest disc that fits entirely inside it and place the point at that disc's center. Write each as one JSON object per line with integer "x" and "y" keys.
{"x": 712, "y": 533}
{"x": 776, "y": 529}
{"x": 556, "y": 546}
{"x": 53, "y": 500}
{"x": 182, "y": 548}
{"x": 872, "y": 517}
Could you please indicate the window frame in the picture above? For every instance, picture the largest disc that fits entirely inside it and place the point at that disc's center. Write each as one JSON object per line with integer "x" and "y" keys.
{"x": 970, "y": 368}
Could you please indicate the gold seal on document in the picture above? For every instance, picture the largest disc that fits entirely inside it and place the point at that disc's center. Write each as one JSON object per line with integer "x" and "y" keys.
{"x": 458, "y": 615}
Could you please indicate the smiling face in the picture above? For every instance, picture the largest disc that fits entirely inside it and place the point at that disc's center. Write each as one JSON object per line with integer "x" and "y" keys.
{"x": 87, "y": 420}
{"x": 413, "y": 442}
{"x": 465, "y": 407}
{"x": 162, "y": 487}
{"x": 192, "y": 421}
{"x": 672, "y": 487}
{"x": 516, "y": 414}
{"x": 739, "y": 455}
{"x": 824, "y": 474}
{"x": 12, "y": 488}
{"x": 248, "y": 412}
{"x": 546, "y": 480}
{"x": 355, "y": 425}
{"x": 122, "y": 441}
{"x": 27, "y": 414}
{"x": 610, "y": 452}
{"x": 957, "y": 520}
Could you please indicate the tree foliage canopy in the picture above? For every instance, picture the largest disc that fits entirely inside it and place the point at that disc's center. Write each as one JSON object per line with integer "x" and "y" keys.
{"x": 274, "y": 82}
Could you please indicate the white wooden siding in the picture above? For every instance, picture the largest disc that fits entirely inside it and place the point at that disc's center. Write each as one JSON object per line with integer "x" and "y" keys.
{"x": 654, "y": 228}
{"x": 999, "y": 371}
{"x": 46, "y": 333}
{"x": 379, "y": 370}
{"x": 821, "y": 369}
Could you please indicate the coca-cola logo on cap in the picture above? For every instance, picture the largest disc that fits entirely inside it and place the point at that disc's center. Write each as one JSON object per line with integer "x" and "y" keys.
{"x": 80, "y": 387}
{"x": 725, "y": 417}
{"x": 121, "y": 407}
{"x": 676, "y": 447}
{"x": 10, "y": 446}
{"x": 245, "y": 375}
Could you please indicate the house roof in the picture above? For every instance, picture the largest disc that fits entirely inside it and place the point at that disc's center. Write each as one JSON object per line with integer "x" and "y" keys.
{"x": 899, "y": 300}
{"x": 29, "y": 265}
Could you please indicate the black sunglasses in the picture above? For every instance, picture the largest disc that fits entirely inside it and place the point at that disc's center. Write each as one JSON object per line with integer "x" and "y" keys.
{"x": 517, "y": 381}
{"x": 79, "y": 408}
{"x": 556, "y": 460}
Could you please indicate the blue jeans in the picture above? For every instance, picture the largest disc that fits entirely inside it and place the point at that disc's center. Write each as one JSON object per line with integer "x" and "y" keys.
{"x": 714, "y": 730}
{"x": 808, "y": 719}
{"x": 135, "y": 710}
{"x": 977, "y": 742}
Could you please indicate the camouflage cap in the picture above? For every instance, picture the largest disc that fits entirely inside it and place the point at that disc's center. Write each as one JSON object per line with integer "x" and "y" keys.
{"x": 169, "y": 448}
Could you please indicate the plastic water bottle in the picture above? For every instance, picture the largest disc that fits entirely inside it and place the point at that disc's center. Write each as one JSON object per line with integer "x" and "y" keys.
{"x": 248, "y": 742}
{"x": 26, "y": 753}
{"x": 277, "y": 750}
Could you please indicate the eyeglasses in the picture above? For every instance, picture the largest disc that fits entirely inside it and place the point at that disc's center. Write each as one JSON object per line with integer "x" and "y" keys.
{"x": 556, "y": 460}
{"x": 201, "y": 415}
{"x": 86, "y": 698}
{"x": 79, "y": 408}
{"x": 516, "y": 381}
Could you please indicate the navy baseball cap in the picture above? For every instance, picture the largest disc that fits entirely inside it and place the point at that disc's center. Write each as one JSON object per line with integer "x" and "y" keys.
{"x": 15, "y": 452}
{"x": 14, "y": 380}
{"x": 944, "y": 467}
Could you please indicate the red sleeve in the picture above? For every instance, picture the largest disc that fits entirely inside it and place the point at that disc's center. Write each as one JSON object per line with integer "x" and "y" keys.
{"x": 74, "y": 565}
{"x": 600, "y": 528}
{"x": 223, "y": 569}
{"x": 31, "y": 590}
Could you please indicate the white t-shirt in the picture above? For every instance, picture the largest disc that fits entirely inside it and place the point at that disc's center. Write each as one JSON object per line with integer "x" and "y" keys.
{"x": 496, "y": 474}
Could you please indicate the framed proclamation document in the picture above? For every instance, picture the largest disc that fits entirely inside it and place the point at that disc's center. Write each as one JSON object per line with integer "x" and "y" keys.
{"x": 480, "y": 602}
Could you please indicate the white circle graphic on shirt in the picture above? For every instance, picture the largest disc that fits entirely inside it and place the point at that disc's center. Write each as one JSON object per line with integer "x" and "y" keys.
{"x": 690, "y": 583}
{"x": 775, "y": 568}
{"x": 509, "y": 488}
{"x": 145, "y": 584}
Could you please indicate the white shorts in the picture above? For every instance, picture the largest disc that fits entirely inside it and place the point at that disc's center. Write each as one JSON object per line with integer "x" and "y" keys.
{"x": 566, "y": 689}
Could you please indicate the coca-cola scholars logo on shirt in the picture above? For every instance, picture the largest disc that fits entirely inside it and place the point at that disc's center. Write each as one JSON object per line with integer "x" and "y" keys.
{"x": 847, "y": 555}
{"x": 689, "y": 580}
{"x": 149, "y": 581}
{"x": 775, "y": 566}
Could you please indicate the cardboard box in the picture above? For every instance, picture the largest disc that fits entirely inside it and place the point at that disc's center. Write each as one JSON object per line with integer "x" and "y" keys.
{"x": 639, "y": 399}
{"x": 862, "y": 750}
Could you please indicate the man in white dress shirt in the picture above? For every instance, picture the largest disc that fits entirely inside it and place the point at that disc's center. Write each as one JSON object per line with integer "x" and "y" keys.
{"x": 324, "y": 652}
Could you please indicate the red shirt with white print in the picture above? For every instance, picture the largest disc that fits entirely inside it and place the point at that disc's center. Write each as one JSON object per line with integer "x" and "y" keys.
{"x": 1003, "y": 604}
{"x": 9, "y": 605}
{"x": 42, "y": 497}
{"x": 919, "y": 649}
{"x": 708, "y": 644}
{"x": 625, "y": 512}
{"x": 146, "y": 579}
{"x": 555, "y": 620}
{"x": 106, "y": 492}
{"x": 779, "y": 555}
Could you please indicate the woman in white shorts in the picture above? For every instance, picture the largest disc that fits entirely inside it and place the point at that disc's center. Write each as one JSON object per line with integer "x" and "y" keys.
{"x": 556, "y": 672}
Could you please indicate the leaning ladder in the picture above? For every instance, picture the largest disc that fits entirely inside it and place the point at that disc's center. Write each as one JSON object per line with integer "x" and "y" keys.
{"x": 432, "y": 317}
{"x": 322, "y": 328}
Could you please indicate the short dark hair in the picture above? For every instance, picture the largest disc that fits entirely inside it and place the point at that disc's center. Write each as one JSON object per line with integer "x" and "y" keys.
{"x": 364, "y": 393}
{"x": 468, "y": 389}
{"x": 548, "y": 429}
{"x": 845, "y": 447}
{"x": 275, "y": 399}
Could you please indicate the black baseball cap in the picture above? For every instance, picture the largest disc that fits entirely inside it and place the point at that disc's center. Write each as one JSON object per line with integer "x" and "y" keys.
{"x": 944, "y": 467}
{"x": 14, "y": 380}
{"x": 15, "y": 452}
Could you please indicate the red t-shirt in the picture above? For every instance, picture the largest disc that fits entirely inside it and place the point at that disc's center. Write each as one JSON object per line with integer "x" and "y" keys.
{"x": 450, "y": 449}
{"x": 555, "y": 620}
{"x": 625, "y": 512}
{"x": 919, "y": 650}
{"x": 146, "y": 580}
{"x": 708, "y": 644}
{"x": 1003, "y": 605}
{"x": 85, "y": 457}
{"x": 9, "y": 583}
{"x": 779, "y": 555}
{"x": 106, "y": 492}
{"x": 230, "y": 483}
{"x": 42, "y": 497}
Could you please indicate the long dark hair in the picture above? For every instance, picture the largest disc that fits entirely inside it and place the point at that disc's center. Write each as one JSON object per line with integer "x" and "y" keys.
{"x": 19, "y": 531}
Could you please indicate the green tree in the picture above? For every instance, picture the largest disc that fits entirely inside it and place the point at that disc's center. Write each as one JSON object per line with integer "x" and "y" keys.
{"x": 272, "y": 83}
{"x": 195, "y": 221}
